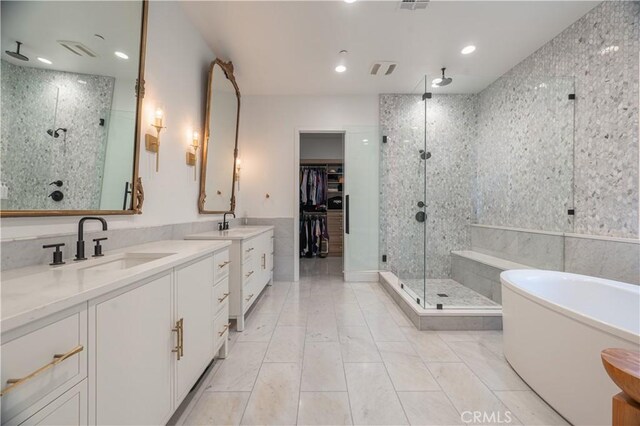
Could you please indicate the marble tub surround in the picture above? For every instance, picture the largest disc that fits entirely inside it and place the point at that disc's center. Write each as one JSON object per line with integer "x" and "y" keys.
{"x": 598, "y": 256}
{"x": 21, "y": 252}
{"x": 615, "y": 259}
{"x": 35, "y": 100}
{"x": 35, "y": 292}
{"x": 539, "y": 249}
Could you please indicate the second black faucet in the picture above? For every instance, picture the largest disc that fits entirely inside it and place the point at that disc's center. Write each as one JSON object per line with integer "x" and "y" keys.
{"x": 80, "y": 243}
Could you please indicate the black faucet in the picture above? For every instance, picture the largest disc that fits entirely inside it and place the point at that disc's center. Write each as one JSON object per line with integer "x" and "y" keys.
{"x": 225, "y": 225}
{"x": 80, "y": 243}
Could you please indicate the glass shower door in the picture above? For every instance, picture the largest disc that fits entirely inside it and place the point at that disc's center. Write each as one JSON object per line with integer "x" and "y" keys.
{"x": 361, "y": 153}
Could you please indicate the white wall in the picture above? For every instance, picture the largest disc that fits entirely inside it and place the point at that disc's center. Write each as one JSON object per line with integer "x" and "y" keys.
{"x": 268, "y": 127}
{"x": 177, "y": 62}
{"x": 326, "y": 146}
{"x": 269, "y": 148}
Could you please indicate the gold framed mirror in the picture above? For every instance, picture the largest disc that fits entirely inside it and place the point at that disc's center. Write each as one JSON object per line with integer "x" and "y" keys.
{"x": 71, "y": 111}
{"x": 218, "y": 171}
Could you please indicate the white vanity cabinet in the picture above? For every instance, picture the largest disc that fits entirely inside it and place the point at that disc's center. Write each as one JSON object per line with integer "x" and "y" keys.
{"x": 127, "y": 353}
{"x": 250, "y": 273}
{"x": 250, "y": 267}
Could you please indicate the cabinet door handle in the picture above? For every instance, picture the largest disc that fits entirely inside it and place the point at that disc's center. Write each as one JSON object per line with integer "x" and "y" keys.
{"x": 57, "y": 359}
{"x": 249, "y": 298}
{"x": 221, "y": 299}
{"x": 224, "y": 329}
{"x": 249, "y": 249}
{"x": 222, "y": 265}
{"x": 179, "y": 329}
{"x": 249, "y": 274}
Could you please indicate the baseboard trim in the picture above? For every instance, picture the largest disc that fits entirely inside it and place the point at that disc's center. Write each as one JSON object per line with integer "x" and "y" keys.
{"x": 362, "y": 276}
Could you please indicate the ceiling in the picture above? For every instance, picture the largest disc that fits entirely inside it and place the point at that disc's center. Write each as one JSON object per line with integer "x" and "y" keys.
{"x": 39, "y": 24}
{"x": 291, "y": 47}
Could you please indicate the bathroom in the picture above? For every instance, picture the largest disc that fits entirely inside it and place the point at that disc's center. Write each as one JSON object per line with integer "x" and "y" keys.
{"x": 487, "y": 250}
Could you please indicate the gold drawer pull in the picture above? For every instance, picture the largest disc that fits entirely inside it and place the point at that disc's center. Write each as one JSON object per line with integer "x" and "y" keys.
{"x": 249, "y": 274}
{"x": 57, "y": 359}
{"x": 179, "y": 329}
{"x": 249, "y": 298}
{"x": 222, "y": 265}
{"x": 224, "y": 330}
{"x": 249, "y": 249}
{"x": 221, "y": 299}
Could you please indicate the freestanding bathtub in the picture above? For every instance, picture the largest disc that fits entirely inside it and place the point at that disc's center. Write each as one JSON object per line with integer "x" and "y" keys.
{"x": 555, "y": 325}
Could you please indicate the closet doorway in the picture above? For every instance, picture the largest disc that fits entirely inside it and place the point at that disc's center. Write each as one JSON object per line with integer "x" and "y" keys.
{"x": 321, "y": 185}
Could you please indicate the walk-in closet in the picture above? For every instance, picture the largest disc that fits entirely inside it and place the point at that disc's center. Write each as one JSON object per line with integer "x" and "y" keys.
{"x": 321, "y": 200}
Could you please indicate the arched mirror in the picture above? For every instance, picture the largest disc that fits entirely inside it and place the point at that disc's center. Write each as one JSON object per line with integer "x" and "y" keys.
{"x": 220, "y": 146}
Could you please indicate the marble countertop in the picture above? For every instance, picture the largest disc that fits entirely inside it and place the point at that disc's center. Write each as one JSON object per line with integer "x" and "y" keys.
{"x": 236, "y": 233}
{"x": 35, "y": 292}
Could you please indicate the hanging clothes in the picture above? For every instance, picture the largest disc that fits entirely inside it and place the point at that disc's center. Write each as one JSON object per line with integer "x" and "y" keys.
{"x": 313, "y": 188}
{"x": 313, "y": 230}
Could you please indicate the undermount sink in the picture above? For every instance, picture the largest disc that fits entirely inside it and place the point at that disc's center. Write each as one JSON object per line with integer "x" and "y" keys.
{"x": 122, "y": 261}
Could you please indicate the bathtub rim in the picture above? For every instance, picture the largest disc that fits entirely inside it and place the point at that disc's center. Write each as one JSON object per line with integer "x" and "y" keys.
{"x": 507, "y": 281}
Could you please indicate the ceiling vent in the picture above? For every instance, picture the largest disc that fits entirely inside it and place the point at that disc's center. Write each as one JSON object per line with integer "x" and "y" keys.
{"x": 383, "y": 68}
{"x": 77, "y": 48}
{"x": 413, "y": 4}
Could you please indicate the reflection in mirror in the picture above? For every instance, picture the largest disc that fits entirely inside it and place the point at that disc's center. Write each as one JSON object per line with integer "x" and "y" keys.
{"x": 69, "y": 105}
{"x": 217, "y": 193}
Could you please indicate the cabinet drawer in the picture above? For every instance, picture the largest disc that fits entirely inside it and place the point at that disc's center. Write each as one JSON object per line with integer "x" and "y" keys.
{"x": 221, "y": 295}
{"x": 52, "y": 358}
{"x": 248, "y": 274}
{"x": 248, "y": 250}
{"x": 68, "y": 409}
{"x": 221, "y": 328}
{"x": 222, "y": 265}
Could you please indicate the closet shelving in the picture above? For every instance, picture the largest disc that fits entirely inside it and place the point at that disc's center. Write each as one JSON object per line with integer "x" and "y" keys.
{"x": 329, "y": 209}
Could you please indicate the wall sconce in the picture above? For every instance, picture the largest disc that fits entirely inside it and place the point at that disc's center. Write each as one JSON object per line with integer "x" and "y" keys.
{"x": 238, "y": 161}
{"x": 152, "y": 143}
{"x": 193, "y": 156}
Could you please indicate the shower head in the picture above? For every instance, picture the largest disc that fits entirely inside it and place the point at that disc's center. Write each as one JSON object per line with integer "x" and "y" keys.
{"x": 56, "y": 133}
{"x": 17, "y": 54}
{"x": 444, "y": 81}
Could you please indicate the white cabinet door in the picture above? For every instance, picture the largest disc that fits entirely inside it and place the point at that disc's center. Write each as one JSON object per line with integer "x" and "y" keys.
{"x": 194, "y": 304}
{"x": 133, "y": 356}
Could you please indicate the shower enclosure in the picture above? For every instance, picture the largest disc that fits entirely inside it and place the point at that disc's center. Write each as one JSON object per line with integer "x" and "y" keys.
{"x": 502, "y": 157}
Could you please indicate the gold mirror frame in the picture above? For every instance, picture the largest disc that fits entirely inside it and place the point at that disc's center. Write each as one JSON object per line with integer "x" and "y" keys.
{"x": 227, "y": 67}
{"x": 137, "y": 192}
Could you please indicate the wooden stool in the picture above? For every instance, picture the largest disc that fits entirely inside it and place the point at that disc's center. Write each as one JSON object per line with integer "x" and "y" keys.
{"x": 623, "y": 366}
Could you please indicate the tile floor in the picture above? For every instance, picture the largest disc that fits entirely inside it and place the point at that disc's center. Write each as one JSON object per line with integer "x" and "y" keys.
{"x": 326, "y": 352}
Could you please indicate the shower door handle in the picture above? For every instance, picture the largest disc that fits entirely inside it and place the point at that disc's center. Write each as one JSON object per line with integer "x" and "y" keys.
{"x": 421, "y": 216}
{"x": 346, "y": 213}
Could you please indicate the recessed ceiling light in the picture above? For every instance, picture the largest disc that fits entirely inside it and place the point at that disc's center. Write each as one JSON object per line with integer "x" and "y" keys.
{"x": 121, "y": 55}
{"x": 468, "y": 49}
{"x": 82, "y": 82}
{"x": 349, "y": 1}
{"x": 365, "y": 140}
{"x": 341, "y": 68}
{"x": 45, "y": 60}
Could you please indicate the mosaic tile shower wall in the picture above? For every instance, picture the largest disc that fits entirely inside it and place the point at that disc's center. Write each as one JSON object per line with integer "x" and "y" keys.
{"x": 525, "y": 154}
{"x": 600, "y": 51}
{"x": 447, "y": 189}
{"x": 34, "y": 101}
